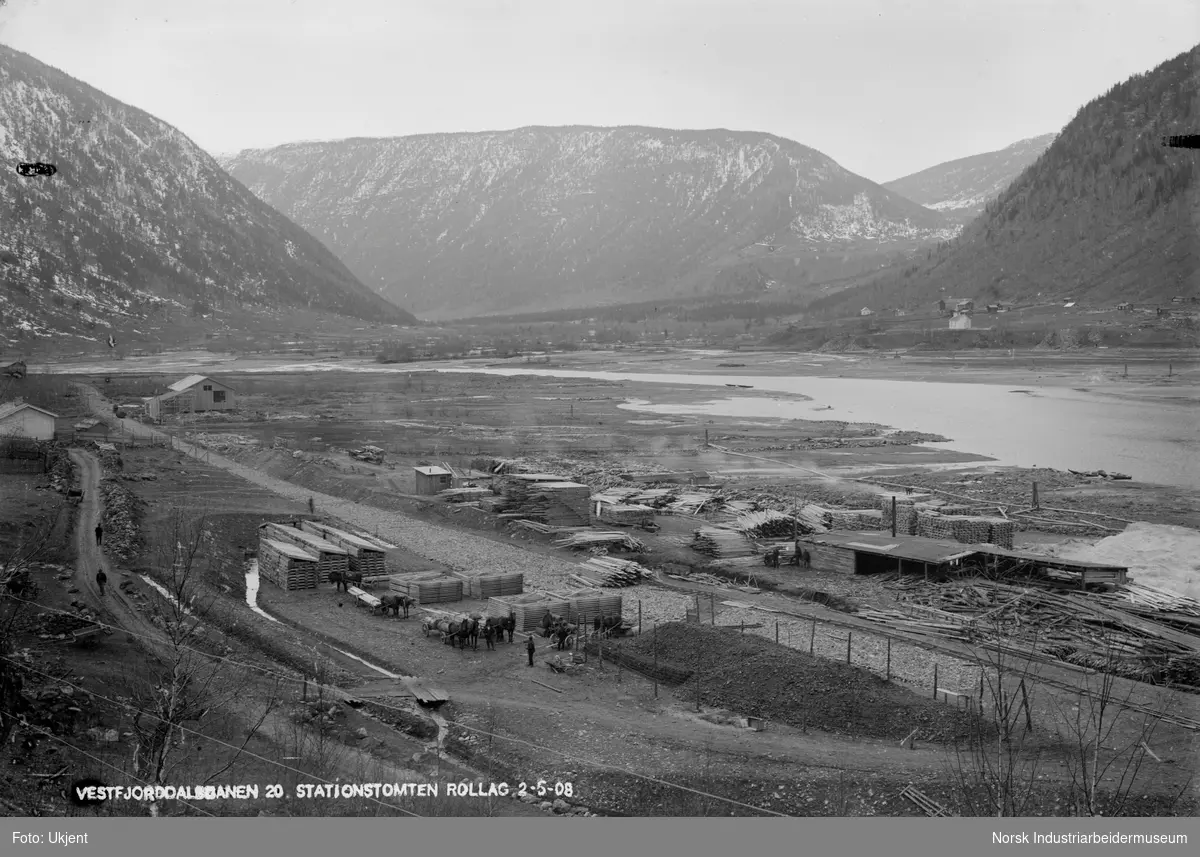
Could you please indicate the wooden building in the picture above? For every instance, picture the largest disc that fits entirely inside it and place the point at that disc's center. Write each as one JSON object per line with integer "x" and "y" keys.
{"x": 960, "y": 321}
{"x": 92, "y": 429}
{"x": 21, "y": 419}
{"x": 191, "y": 394}
{"x": 430, "y": 480}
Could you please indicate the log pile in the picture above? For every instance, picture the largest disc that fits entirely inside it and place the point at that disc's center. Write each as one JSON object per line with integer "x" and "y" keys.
{"x": 610, "y": 572}
{"x": 587, "y": 537}
{"x": 906, "y": 515}
{"x": 766, "y": 525}
{"x": 286, "y": 565}
{"x": 331, "y": 558}
{"x": 365, "y": 558}
{"x": 691, "y": 502}
{"x": 966, "y": 529}
{"x": 625, "y": 514}
{"x": 528, "y": 609}
{"x": 482, "y": 586}
{"x": 856, "y": 519}
{"x": 560, "y": 504}
{"x": 428, "y": 588}
{"x": 1002, "y": 533}
{"x": 584, "y": 605}
{"x": 722, "y": 542}
{"x": 814, "y": 519}
{"x": 518, "y": 488}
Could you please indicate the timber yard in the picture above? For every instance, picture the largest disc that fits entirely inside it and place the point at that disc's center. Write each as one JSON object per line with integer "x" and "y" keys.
{"x": 729, "y": 615}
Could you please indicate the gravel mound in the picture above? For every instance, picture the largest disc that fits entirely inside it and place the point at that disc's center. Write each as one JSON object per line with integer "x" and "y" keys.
{"x": 757, "y": 678}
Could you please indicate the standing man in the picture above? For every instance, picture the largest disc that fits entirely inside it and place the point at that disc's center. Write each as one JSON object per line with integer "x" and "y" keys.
{"x": 99, "y": 534}
{"x": 311, "y": 506}
{"x": 529, "y": 648}
{"x": 101, "y": 579}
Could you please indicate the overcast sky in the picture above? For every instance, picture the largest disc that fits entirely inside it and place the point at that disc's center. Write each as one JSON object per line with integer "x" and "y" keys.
{"x": 885, "y": 88}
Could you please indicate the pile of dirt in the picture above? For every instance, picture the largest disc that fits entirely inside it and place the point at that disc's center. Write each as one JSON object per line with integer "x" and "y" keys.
{"x": 758, "y": 678}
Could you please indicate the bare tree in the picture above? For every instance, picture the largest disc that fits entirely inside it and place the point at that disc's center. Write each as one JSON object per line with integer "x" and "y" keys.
{"x": 183, "y": 685}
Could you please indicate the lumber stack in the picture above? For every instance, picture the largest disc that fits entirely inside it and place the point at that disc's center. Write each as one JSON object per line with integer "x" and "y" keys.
{"x": 518, "y": 488}
{"x": 493, "y": 504}
{"x": 656, "y": 498}
{"x": 428, "y": 588}
{"x": 829, "y": 558}
{"x": 481, "y": 586}
{"x": 584, "y": 605}
{"x": 856, "y": 519}
{"x": 587, "y": 537}
{"x": 932, "y": 525}
{"x": 1002, "y": 533}
{"x": 625, "y": 514}
{"x": 721, "y": 542}
{"x": 814, "y": 518}
{"x": 464, "y": 495}
{"x": 968, "y": 530}
{"x": 330, "y": 557}
{"x": 528, "y": 609}
{"x": 766, "y": 525}
{"x": 691, "y": 502}
{"x": 365, "y": 557}
{"x": 906, "y": 513}
{"x": 610, "y": 572}
{"x": 286, "y": 565}
{"x": 560, "y": 504}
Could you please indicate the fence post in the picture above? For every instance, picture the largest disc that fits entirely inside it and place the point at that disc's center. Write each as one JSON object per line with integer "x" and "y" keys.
{"x": 655, "y": 632}
{"x": 812, "y": 639}
{"x": 935, "y": 666}
{"x": 712, "y": 610}
{"x": 849, "y": 637}
{"x": 743, "y": 625}
{"x": 889, "y": 659}
{"x": 777, "y": 633}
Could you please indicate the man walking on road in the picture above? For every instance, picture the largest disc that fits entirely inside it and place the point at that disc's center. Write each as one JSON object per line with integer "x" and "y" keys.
{"x": 101, "y": 579}
{"x": 529, "y": 649}
{"x": 99, "y": 534}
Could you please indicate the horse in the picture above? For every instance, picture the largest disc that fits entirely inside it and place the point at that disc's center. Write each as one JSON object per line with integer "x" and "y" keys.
{"x": 473, "y": 633}
{"x": 464, "y": 633}
{"x": 806, "y": 558}
{"x": 607, "y": 624}
{"x": 563, "y": 633}
{"x": 345, "y": 579}
{"x": 503, "y": 624}
{"x": 392, "y": 603}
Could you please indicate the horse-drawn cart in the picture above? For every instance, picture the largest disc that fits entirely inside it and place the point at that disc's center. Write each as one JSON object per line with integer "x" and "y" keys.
{"x": 365, "y": 599}
{"x": 88, "y": 636}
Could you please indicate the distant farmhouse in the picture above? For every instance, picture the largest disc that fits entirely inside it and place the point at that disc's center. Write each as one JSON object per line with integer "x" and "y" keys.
{"x": 960, "y": 321}
{"x": 193, "y": 393}
{"x": 865, "y": 311}
{"x": 21, "y": 419}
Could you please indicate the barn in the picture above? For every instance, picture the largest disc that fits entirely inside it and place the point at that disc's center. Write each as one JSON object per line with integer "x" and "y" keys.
{"x": 21, "y": 419}
{"x": 92, "y": 429}
{"x": 431, "y": 480}
{"x": 191, "y": 394}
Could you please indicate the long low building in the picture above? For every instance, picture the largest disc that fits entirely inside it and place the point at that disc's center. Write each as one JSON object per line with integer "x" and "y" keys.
{"x": 878, "y": 553}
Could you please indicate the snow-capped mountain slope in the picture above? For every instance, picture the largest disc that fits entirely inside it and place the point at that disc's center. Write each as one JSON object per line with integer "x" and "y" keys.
{"x": 137, "y": 217}
{"x": 960, "y": 189}
{"x": 549, "y": 218}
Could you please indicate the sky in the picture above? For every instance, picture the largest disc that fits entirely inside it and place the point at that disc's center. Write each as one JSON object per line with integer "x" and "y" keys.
{"x": 884, "y": 88}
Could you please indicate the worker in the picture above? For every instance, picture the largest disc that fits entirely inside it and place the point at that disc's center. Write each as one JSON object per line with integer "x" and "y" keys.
{"x": 99, "y": 534}
{"x": 101, "y": 579}
{"x": 529, "y": 648}
{"x": 312, "y": 506}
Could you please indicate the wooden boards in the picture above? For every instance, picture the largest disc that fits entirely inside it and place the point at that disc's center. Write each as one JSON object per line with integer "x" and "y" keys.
{"x": 330, "y": 557}
{"x": 365, "y": 557}
{"x": 482, "y": 586}
{"x": 429, "y": 588}
{"x": 286, "y": 565}
{"x": 584, "y": 605}
{"x": 528, "y": 609}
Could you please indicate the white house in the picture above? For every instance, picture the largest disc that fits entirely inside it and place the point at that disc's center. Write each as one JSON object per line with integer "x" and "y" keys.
{"x": 21, "y": 419}
{"x": 960, "y": 321}
{"x": 865, "y": 311}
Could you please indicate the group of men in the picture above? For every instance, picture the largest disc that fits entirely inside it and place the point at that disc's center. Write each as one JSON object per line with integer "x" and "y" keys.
{"x": 801, "y": 557}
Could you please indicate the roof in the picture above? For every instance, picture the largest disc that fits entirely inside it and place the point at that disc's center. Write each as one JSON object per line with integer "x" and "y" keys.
{"x": 916, "y": 548}
{"x": 84, "y": 425}
{"x": 432, "y": 471}
{"x": 191, "y": 381}
{"x": 291, "y": 551}
{"x": 348, "y": 538}
{"x": 308, "y": 538}
{"x": 10, "y": 408}
{"x": 1045, "y": 559}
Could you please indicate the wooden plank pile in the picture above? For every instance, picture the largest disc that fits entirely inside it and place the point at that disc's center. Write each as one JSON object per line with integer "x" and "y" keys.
{"x": 518, "y": 488}
{"x": 480, "y": 585}
{"x": 814, "y": 519}
{"x": 610, "y": 572}
{"x": 464, "y": 495}
{"x": 722, "y": 542}
{"x": 286, "y": 565}
{"x": 430, "y": 587}
{"x": 626, "y": 514}
{"x": 536, "y": 526}
{"x": 830, "y": 558}
{"x": 856, "y": 519}
{"x": 364, "y": 599}
{"x": 588, "y": 537}
{"x": 584, "y": 605}
{"x": 691, "y": 502}
{"x": 906, "y": 515}
{"x": 1002, "y": 533}
{"x": 766, "y": 525}
{"x": 330, "y": 557}
{"x": 528, "y": 609}
{"x": 366, "y": 558}
{"x": 560, "y": 504}
{"x": 657, "y": 498}
{"x": 966, "y": 529}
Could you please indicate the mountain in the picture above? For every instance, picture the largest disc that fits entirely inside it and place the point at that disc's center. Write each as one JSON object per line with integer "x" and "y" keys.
{"x": 137, "y": 219}
{"x": 961, "y": 188}
{"x": 550, "y": 218}
{"x": 1107, "y": 213}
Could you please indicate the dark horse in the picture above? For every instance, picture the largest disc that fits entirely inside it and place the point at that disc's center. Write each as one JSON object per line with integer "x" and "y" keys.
{"x": 604, "y": 625}
{"x": 396, "y": 603}
{"x": 343, "y": 580}
{"x": 502, "y": 625}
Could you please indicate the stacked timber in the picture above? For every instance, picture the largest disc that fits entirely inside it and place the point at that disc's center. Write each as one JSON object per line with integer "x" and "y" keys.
{"x": 814, "y": 518}
{"x": 931, "y": 525}
{"x": 286, "y": 565}
{"x": 518, "y": 488}
{"x": 656, "y": 498}
{"x": 528, "y": 609}
{"x": 610, "y": 572}
{"x": 559, "y": 504}
{"x": 906, "y": 513}
{"x": 625, "y": 514}
{"x": 721, "y": 542}
{"x": 464, "y": 495}
{"x": 1002, "y": 533}
{"x": 587, "y": 537}
{"x": 856, "y": 519}
{"x": 331, "y": 558}
{"x": 766, "y": 525}
{"x": 691, "y": 502}
{"x": 428, "y": 588}
{"x": 584, "y": 605}
{"x": 366, "y": 558}
{"x": 614, "y": 496}
{"x": 480, "y": 585}
{"x": 969, "y": 530}
{"x": 493, "y": 504}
